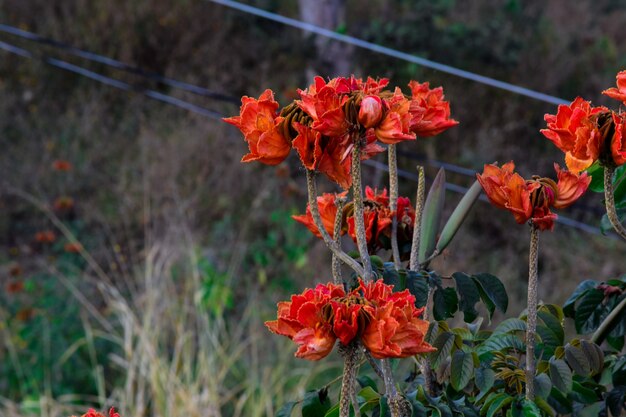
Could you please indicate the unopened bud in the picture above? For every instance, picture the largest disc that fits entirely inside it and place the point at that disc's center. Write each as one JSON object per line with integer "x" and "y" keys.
{"x": 371, "y": 111}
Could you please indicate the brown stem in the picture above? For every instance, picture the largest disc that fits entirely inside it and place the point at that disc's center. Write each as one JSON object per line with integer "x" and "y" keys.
{"x": 531, "y": 322}
{"x": 609, "y": 200}
{"x": 598, "y": 335}
{"x": 359, "y": 223}
{"x": 351, "y": 355}
{"x": 390, "y": 389}
{"x": 393, "y": 204}
{"x": 417, "y": 225}
{"x": 336, "y": 262}
{"x": 317, "y": 219}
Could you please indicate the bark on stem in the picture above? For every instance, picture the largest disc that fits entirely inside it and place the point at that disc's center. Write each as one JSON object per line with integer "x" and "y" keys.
{"x": 336, "y": 262}
{"x": 393, "y": 204}
{"x": 417, "y": 226}
{"x": 317, "y": 219}
{"x": 531, "y": 322}
{"x": 390, "y": 389}
{"x": 351, "y": 356}
{"x": 359, "y": 223}
{"x": 609, "y": 200}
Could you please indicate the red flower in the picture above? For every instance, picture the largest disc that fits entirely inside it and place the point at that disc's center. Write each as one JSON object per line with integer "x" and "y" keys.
{"x": 14, "y": 287}
{"x": 377, "y": 218}
{"x": 324, "y": 103}
{"x": 306, "y": 319}
{"x": 574, "y": 132}
{"x": 62, "y": 165}
{"x": 394, "y": 329}
{"x": 371, "y": 111}
{"x": 262, "y": 129}
{"x": 93, "y": 413}
{"x": 328, "y": 213}
{"x": 396, "y": 125}
{"x": 72, "y": 247}
{"x": 618, "y": 93}
{"x": 618, "y": 142}
{"x": 436, "y": 115}
{"x": 532, "y": 199}
{"x": 45, "y": 237}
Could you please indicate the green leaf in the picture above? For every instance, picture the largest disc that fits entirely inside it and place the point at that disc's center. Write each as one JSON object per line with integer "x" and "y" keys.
{"x": 384, "y": 410}
{"x": 469, "y": 295}
{"x": 499, "y": 404}
{"x": 589, "y": 311}
{"x": 417, "y": 284}
{"x": 510, "y": 326}
{"x": 431, "y": 216}
{"x": 368, "y": 399}
{"x": 461, "y": 369}
{"x": 315, "y": 403}
{"x": 569, "y": 306}
{"x": 366, "y": 381}
{"x": 561, "y": 375}
{"x": 577, "y": 360}
{"x": 493, "y": 290}
{"x": 583, "y": 394}
{"x": 554, "y": 324}
{"x": 560, "y": 403}
{"x": 444, "y": 344}
{"x": 545, "y": 407}
{"x": 458, "y": 216}
{"x": 593, "y": 410}
{"x": 333, "y": 412}
{"x": 285, "y": 410}
{"x": 484, "y": 378}
{"x": 445, "y": 303}
{"x": 615, "y": 400}
{"x": 391, "y": 276}
{"x": 596, "y": 171}
{"x": 619, "y": 184}
{"x": 616, "y": 343}
{"x": 605, "y": 224}
{"x": 530, "y": 409}
{"x": 594, "y": 355}
{"x": 543, "y": 385}
{"x": 501, "y": 342}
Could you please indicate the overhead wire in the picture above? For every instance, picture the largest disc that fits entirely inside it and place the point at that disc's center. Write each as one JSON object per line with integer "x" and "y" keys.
{"x": 394, "y": 53}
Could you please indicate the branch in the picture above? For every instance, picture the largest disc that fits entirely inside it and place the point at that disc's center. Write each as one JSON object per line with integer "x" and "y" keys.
{"x": 531, "y": 322}
{"x": 336, "y": 262}
{"x": 359, "y": 222}
{"x": 609, "y": 200}
{"x": 317, "y": 219}
{"x": 393, "y": 204}
{"x": 417, "y": 225}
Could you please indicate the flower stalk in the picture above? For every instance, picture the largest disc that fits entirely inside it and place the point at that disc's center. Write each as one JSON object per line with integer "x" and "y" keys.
{"x": 609, "y": 200}
{"x": 359, "y": 223}
{"x": 351, "y": 355}
{"x": 417, "y": 226}
{"x": 330, "y": 243}
{"x": 531, "y": 322}
{"x": 393, "y": 204}
{"x": 336, "y": 262}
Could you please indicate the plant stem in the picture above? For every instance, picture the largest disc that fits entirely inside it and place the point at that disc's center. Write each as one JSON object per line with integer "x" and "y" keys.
{"x": 531, "y": 322}
{"x": 393, "y": 204}
{"x": 357, "y": 195}
{"x": 609, "y": 200}
{"x": 336, "y": 262}
{"x": 317, "y": 219}
{"x": 417, "y": 225}
{"x": 390, "y": 388}
{"x": 598, "y": 335}
{"x": 351, "y": 355}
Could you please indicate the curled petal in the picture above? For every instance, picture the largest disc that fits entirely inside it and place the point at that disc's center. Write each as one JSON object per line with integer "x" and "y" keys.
{"x": 618, "y": 93}
{"x": 618, "y": 142}
{"x": 570, "y": 187}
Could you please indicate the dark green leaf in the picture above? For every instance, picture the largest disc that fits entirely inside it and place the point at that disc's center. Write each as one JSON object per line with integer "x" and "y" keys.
{"x": 445, "y": 303}
{"x": 545, "y": 407}
{"x": 461, "y": 369}
{"x": 484, "y": 378}
{"x": 560, "y": 403}
{"x": 431, "y": 216}
{"x": 417, "y": 285}
{"x": 333, "y": 412}
{"x": 530, "y": 409}
{"x": 383, "y": 408}
{"x": 494, "y": 290}
{"x": 583, "y": 394}
{"x": 469, "y": 295}
{"x": 458, "y": 216}
{"x": 594, "y": 355}
{"x": 605, "y": 224}
{"x": 510, "y": 326}
{"x": 368, "y": 399}
{"x": 568, "y": 307}
{"x": 619, "y": 185}
{"x": 615, "y": 400}
{"x": 616, "y": 343}
{"x": 315, "y": 403}
{"x": 589, "y": 311}
{"x": 285, "y": 410}
{"x": 444, "y": 344}
{"x": 577, "y": 360}
{"x": 391, "y": 276}
{"x": 618, "y": 328}
{"x": 499, "y": 404}
{"x": 501, "y": 342}
{"x": 596, "y": 171}
{"x": 366, "y": 381}
{"x": 561, "y": 375}
{"x": 543, "y": 385}
{"x": 554, "y": 324}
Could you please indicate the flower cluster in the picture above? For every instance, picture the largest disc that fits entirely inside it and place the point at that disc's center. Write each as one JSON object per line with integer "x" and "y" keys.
{"x": 388, "y": 324}
{"x": 377, "y": 217}
{"x": 531, "y": 200}
{"x": 587, "y": 134}
{"x": 330, "y": 117}
{"x": 93, "y": 413}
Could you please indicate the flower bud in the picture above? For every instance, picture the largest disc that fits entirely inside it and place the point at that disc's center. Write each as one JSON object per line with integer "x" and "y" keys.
{"x": 371, "y": 111}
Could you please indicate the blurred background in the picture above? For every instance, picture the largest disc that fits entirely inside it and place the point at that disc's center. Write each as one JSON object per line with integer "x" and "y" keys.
{"x": 139, "y": 258}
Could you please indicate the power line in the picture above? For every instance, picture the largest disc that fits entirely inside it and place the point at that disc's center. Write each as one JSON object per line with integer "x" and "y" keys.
{"x": 170, "y": 82}
{"x": 218, "y": 116}
{"x": 112, "y": 82}
{"x": 394, "y": 53}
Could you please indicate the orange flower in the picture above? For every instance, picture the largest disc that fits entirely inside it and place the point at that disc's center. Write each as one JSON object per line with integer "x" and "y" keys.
{"x": 371, "y": 111}
{"x": 395, "y": 127}
{"x": 324, "y": 103}
{"x": 72, "y": 247}
{"x": 618, "y": 93}
{"x": 618, "y": 142}
{"x": 436, "y": 115}
{"x": 306, "y": 320}
{"x": 45, "y": 237}
{"x": 93, "y": 413}
{"x": 395, "y": 329}
{"x": 62, "y": 165}
{"x": 261, "y": 128}
{"x": 575, "y": 132}
{"x": 531, "y": 200}
{"x": 328, "y": 212}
